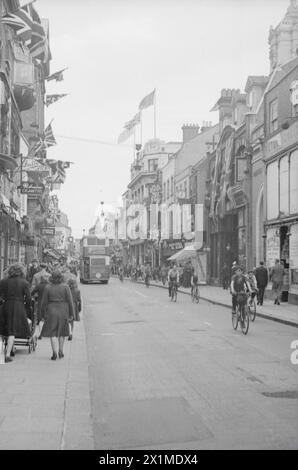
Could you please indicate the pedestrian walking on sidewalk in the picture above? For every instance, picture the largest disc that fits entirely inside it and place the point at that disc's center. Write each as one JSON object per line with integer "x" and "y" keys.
{"x": 77, "y": 303}
{"x": 277, "y": 275}
{"x": 57, "y": 311}
{"x": 41, "y": 273}
{"x": 226, "y": 277}
{"x": 38, "y": 291}
{"x": 262, "y": 281}
{"x": 16, "y": 309}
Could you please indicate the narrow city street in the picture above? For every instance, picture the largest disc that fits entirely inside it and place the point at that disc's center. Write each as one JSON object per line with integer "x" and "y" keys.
{"x": 169, "y": 375}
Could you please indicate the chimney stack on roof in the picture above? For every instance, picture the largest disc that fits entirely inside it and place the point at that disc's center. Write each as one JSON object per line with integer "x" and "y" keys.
{"x": 189, "y": 131}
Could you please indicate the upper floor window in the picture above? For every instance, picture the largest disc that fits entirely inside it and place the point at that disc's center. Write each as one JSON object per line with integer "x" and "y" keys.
{"x": 153, "y": 164}
{"x": 273, "y": 115}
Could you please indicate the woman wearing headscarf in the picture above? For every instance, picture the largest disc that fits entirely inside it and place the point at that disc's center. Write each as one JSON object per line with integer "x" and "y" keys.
{"x": 57, "y": 310}
{"x": 17, "y": 306}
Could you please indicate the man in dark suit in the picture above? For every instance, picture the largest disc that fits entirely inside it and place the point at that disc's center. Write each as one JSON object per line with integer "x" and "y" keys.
{"x": 261, "y": 274}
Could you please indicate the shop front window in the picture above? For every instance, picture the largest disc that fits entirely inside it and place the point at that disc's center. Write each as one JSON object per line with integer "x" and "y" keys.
{"x": 272, "y": 191}
{"x": 294, "y": 182}
{"x": 284, "y": 185}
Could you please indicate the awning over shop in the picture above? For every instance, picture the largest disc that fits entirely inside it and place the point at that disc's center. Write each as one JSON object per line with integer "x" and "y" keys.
{"x": 189, "y": 251}
{"x": 52, "y": 253}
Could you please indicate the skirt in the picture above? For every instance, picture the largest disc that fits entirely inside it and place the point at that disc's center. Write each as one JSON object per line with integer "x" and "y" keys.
{"x": 56, "y": 321}
{"x": 14, "y": 320}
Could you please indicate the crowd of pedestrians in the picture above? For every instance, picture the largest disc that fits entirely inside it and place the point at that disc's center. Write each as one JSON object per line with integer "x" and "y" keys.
{"x": 158, "y": 273}
{"x": 44, "y": 296}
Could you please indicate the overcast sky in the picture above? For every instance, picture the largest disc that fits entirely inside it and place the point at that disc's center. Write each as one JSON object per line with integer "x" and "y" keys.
{"x": 117, "y": 51}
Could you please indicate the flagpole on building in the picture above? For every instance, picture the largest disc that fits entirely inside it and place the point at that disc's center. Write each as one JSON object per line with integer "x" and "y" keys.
{"x": 141, "y": 128}
{"x": 134, "y": 143}
{"x": 155, "y": 114}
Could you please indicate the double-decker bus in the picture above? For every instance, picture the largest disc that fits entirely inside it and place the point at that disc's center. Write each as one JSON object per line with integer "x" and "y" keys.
{"x": 94, "y": 259}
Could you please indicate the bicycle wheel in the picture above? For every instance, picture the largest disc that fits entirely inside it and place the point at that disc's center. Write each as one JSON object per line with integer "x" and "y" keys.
{"x": 174, "y": 294}
{"x": 245, "y": 319}
{"x": 235, "y": 319}
{"x": 252, "y": 310}
{"x": 197, "y": 296}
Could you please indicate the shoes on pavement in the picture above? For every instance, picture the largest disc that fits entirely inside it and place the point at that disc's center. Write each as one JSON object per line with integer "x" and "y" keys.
{"x": 278, "y": 302}
{"x": 40, "y": 337}
{"x": 54, "y": 357}
{"x": 275, "y": 302}
{"x": 70, "y": 338}
{"x": 8, "y": 359}
{"x": 60, "y": 354}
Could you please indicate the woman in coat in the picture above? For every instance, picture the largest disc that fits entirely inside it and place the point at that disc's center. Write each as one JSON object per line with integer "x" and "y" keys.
{"x": 38, "y": 291}
{"x": 77, "y": 303}
{"x": 17, "y": 306}
{"x": 57, "y": 310}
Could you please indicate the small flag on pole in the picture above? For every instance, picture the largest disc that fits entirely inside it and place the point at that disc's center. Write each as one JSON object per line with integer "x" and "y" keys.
{"x": 58, "y": 76}
{"x": 46, "y": 140}
{"x": 147, "y": 101}
{"x": 50, "y": 99}
{"x": 49, "y": 138}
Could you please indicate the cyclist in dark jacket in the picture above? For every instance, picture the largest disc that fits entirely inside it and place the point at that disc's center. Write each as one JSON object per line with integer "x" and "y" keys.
{"x": 239, "y": 284}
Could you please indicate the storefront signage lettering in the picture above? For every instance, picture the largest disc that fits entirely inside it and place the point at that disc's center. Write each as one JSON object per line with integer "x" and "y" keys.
{"x": 31, "y": 189}
{"x": 49, "y": 231}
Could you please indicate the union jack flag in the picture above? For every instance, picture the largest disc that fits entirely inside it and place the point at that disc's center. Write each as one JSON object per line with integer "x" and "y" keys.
{"x": 45, "y": 141}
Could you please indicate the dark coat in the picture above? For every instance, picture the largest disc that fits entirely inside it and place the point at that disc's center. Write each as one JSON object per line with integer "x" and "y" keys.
{"x": 39, "y": 289}
{"x": 261, "y": 276}
{"x": 277, "y": 274}
{"x": 77, "y": 302}
{"x": 57, "y": 310}
{"x": 17, "y": 307}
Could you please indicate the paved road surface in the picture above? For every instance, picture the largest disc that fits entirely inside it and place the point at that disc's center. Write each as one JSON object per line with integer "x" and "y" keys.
{"x": 177, "y": 376}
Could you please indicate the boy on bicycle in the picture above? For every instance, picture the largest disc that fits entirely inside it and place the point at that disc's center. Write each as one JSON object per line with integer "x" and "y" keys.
{"x": 239, "y": 284}
{"x": 253, "y": 284}
{"x": 173, "y": 278}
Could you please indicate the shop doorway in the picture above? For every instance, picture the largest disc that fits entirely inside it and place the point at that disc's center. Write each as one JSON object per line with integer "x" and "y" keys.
{"x": 284, "y": 258}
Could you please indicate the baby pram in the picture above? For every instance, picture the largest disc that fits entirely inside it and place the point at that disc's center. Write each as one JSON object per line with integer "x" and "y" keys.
{"x": 30, "y": 341}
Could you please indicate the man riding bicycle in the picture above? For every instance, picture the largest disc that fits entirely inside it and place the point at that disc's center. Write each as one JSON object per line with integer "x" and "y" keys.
{"x": 173, "y": 278}
{"x": 194, "y": 283}
{"x": 147, "y": 273}
{"x": 253, "y": 285}
{"x": 239, "y": 284}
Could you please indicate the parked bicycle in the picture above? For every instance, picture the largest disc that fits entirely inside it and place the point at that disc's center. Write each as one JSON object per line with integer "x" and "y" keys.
{"x": 242, "y": 313}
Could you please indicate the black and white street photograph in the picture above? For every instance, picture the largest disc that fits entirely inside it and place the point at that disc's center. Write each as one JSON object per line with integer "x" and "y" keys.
{"x": 148, "y": 229}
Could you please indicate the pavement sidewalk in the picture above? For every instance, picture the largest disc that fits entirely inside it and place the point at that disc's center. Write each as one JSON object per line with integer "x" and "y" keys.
{"x": 44, "y": 404}
{"x": 284, "y": 313}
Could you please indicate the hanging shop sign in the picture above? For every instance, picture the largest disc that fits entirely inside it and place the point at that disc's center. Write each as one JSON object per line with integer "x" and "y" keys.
{"x": 48, "y": 231}
{"x": 31, "y": 188}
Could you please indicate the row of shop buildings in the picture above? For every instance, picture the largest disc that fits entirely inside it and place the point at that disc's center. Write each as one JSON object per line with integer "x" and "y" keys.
{"x": 227, "y": 191}
{"x": 28, "y": 208}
